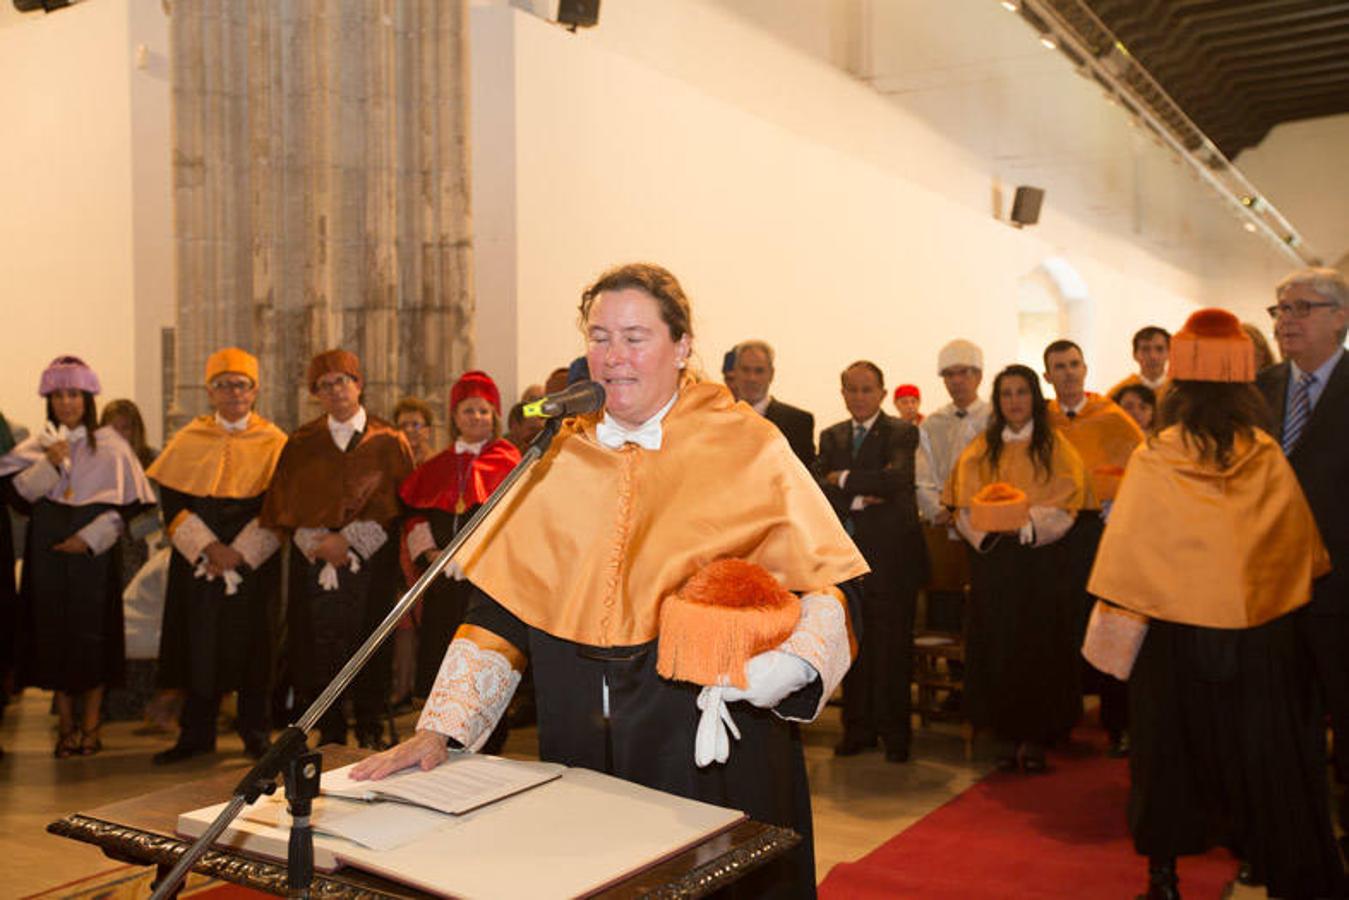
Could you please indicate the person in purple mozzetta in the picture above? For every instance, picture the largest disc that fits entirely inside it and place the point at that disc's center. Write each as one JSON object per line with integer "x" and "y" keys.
{"x": 80, "y": 483}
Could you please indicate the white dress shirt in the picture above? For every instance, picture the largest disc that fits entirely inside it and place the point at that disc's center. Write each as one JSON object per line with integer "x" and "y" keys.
{"x": 342, "y": 432}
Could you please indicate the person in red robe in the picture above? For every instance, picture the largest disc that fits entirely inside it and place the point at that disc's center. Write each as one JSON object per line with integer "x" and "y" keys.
{"x": 440, "y": 496}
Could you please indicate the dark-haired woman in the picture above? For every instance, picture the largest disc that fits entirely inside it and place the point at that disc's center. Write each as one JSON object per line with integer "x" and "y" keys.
{"x": 1020, "y": 672}
{"x": 1140, "y": 402}
{"x": 1210, "y": 549}
{"x": 82, "y": 482}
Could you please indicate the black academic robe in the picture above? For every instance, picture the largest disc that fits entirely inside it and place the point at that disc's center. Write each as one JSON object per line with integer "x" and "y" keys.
{"x": 210, "y": 642}
{"x": 71, "y": 635}
{"x": 443, "y": 604}
{"x": 1227, "y": 750}
{"x": 648, "y": 734}
{"x": 1021, "y": 662}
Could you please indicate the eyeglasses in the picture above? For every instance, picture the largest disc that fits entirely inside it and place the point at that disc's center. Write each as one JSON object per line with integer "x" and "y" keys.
{"x": 336, "y": 383}
{"x": 413, "y": 426}
{"x": 232, "y": 385}
{"x": 1300, "y": 309}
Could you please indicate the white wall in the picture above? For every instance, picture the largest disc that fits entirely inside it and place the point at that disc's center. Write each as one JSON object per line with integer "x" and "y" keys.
{"x": 84, "y": 222}
{"x": 775, "y": 234}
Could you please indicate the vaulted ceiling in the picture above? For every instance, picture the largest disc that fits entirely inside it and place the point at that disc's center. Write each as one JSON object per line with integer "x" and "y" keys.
{"x": 1235, "y": 68}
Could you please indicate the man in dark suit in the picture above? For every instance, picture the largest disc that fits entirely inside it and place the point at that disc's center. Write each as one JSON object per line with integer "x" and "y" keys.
{"x": 1308, "y": 398}
{"x": 865, "y": 468}
{"x": 753, "y": 375}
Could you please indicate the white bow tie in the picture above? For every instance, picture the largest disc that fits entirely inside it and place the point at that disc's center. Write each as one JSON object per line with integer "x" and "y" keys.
{"x": 462, "y": 446}
{"x": 612, "y": 435}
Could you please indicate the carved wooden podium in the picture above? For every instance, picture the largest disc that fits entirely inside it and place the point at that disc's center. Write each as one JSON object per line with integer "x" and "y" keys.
{"x": 142, "y": 831}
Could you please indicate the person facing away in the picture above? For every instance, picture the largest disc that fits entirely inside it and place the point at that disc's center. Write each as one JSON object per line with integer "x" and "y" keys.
{"x": 753, "y": 374}
{"x": 1206, "y": 569}
{"x": 865, "y": 468}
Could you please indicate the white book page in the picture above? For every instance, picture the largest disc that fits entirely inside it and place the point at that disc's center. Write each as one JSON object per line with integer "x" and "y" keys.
{"x": 463, "y": 782}
{"x": 379, "y": 826}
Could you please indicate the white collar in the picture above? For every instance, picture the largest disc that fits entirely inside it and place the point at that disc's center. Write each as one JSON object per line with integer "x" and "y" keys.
{"x": 233, "y": 427}
{"x": 762, "y": 406}
{"x": 648, "y": 435}
{"x": 354, "y": 424}
{"x": 868, "y": 423}
{"x": 1074, "y": 409}
{"x": 1145, "y": 380}
{"x": 1010, "y": 437}
{"x": 462, "y": 446}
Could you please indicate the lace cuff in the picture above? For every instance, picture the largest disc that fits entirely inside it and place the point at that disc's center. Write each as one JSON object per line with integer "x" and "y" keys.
{"x": 255, "y": 544}
{"x": 365, "y": 537}
{"x": 101, "y": 533}
{"x": 420, "y": 540}
{"x": 823, "y": 639}
{"x": 37, "y": 480}
{"x": 473, "y": 687}
{"x": 190, "y": 536}
{"x": 308, "y": 540}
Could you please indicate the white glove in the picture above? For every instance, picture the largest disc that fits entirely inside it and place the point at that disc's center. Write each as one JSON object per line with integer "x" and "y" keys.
{"x": 1027, "y": 533}
{"x": 772, "y": 677}
{"x": 711, "y": 742}
{"x": 328, "y": 574}
{"x": 232, "y": 578}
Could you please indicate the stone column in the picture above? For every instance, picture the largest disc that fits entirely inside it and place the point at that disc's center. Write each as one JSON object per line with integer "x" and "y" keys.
{"x": 321, "y": 189}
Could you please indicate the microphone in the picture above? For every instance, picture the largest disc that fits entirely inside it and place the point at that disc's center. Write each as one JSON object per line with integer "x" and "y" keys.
{"x": 575, "y": 400}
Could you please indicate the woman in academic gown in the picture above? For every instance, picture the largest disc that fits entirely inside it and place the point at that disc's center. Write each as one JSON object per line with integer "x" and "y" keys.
{"x": 572, "y": 569}
{"x": 1209, "y": 552}
{"x": 440, "y": 496}
{"x": 83, "y": 483}
{"x": 1020, "y": 680}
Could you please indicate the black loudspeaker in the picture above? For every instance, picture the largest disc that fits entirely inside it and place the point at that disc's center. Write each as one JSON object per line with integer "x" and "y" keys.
{"x": 1026, "y": 206}
{"x": 578, "y": 13}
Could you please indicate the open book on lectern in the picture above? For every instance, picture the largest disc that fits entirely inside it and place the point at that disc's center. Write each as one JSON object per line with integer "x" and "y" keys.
{"x": 464, "y": 782}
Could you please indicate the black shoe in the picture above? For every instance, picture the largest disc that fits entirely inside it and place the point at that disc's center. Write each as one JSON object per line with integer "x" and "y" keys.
{"x": 1247, "y": 875}
{"x": 1162, "y": 882}
{"x": 953, "y": 703}
{"x": 1006, "y": 764}
{"x": 896, "y": 754}
{"x": 178, "y": 753}
{"x": 1119, "y": 747}
{"x": 851, "y": 746}
{"x": 1033, "y": 759}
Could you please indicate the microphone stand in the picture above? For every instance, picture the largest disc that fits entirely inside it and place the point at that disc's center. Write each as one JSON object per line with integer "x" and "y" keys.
{"x": 290, "y": 752}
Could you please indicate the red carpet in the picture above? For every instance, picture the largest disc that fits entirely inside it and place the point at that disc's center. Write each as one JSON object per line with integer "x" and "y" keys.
{"x": 1062, "y": 834}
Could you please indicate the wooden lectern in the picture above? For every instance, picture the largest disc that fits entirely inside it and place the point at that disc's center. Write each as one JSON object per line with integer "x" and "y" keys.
{"x": 142, "y": 831}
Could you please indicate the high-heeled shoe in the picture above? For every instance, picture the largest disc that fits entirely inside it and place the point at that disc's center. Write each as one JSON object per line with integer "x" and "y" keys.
{"x": 90, "y": 742}
{"x": 67, "y": 744}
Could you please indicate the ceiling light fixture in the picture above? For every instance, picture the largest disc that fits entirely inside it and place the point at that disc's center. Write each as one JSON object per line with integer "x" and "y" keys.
{"x": 1048, "y": 41}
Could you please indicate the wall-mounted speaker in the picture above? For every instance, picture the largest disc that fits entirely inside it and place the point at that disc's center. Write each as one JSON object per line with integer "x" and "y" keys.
{"x": 578, "y": 13}
{"x": 1026, "y": 205}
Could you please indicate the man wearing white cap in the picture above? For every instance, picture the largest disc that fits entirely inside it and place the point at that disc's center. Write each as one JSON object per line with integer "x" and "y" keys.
{"x": 942, "y": 436}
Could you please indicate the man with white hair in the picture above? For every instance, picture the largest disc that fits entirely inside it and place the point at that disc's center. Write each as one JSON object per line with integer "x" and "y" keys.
{"x": 942, "y": 437}
{"x": 1308, "y": 397}
{"x": 751, "y": 376}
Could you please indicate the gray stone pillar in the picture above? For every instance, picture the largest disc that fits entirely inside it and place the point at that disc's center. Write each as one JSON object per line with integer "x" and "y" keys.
{"x": 321, "y": 187}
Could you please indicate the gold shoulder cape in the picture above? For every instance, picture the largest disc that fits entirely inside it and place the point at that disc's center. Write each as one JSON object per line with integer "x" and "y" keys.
{"x": 591, "y": 540}
{"x": 1220, "y": 548}
{"x": 205, "y": 460}
{"x": 1064, "y": 487}
{"x": 1103, "y": 434}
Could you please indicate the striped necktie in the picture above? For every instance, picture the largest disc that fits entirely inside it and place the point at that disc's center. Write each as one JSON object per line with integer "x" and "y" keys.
{"x": 1299, "y": 411}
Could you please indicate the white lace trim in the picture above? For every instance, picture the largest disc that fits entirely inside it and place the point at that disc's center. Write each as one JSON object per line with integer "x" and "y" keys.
{"x": 821, "y": 639}
{"x": 470, "y": 695}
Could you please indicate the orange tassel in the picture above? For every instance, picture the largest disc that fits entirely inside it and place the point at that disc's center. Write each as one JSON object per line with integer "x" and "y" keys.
{"x": 729, "y": 611}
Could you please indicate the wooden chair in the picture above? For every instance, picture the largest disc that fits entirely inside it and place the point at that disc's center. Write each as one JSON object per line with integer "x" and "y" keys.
{"x": 934, "y": 650}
